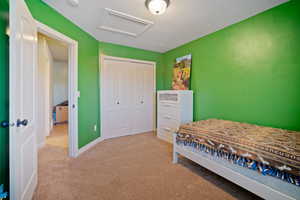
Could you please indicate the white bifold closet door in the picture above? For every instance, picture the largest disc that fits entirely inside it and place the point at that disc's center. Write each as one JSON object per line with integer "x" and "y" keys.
{"x": 143, "y": 98}
{"x": 127, "y": 98}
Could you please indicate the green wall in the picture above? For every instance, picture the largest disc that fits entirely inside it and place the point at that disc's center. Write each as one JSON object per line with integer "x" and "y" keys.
{"x": 248, "y": 72}
{"x": 133, "y": 53}
{"x": 4, "y": 95}
{"x": 88, "y": 72}
{"x": 87, "y": 67}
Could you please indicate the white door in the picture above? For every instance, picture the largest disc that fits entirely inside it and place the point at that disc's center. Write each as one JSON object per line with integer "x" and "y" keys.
{"x": 116, "y": 96}
{"x": 149, "y": 97}
{"x": 144, "y": 98}
{"x": 127, "y": 97}
{"x": 23, "y": 66}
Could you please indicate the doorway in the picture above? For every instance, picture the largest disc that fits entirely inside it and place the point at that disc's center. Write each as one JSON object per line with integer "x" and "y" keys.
{"x": 23, "y": 95}
{"x": 57, "y": 90}
{"x": 52, "y": 77}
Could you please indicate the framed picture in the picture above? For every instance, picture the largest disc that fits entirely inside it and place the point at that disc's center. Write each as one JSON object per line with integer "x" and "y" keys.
{"x": 182, "y": 73}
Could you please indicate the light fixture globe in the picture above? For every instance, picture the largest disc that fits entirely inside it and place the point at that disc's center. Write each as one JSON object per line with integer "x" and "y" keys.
{"x": 157, "y": 7}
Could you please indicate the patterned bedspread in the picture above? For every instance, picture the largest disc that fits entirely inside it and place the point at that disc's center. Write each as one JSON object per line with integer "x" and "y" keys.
{"x": 271, "y": 151}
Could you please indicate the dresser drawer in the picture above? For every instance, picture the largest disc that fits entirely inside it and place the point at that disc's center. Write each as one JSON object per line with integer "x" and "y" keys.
{"x": 174, "y": 107}
{"x": 169, "y": 111}
{"x": 170, "y": 123}
{"x": 168, "y": 115}
{"x": 168, "y": 105}
{"x": 165, "y": 134}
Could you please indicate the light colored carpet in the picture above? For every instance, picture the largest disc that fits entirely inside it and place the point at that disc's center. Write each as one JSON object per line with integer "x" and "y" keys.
{"x": 135, "y": 167}
{"x": 58, "y": 136}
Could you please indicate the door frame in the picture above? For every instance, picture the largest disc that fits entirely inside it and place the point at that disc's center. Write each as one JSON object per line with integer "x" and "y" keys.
{"x": 73, "y": 93}
{"x": 102, "y": 58}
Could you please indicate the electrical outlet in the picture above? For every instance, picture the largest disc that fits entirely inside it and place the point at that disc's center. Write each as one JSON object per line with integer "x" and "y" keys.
{"x": 95, "y": 127}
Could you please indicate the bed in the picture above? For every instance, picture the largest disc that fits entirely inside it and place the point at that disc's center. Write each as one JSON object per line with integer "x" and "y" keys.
{"x": 263, "y": 160}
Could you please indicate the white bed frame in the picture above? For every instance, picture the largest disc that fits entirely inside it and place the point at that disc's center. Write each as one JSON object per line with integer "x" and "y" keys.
{"x": 281, "y": 191}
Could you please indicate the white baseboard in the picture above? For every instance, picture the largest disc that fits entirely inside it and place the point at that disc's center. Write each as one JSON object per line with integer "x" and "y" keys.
{"x": 100, "y": 139}
{"x": 122, "y": 135}
{"x": 89, "y": 145}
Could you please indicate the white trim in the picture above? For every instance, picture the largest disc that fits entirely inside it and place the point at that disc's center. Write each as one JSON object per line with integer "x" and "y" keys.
{"x": 122, "y": 135}
{"x": 154, "y": 100}
{"x": 101, "y": 63}
{"x": 72, "y": 84}
{"x": 42, "y": 28}
{"x": 263, "y": 190}
{"x": 127, "y": 17}
{"x": 104, "y": 57}
{"x": 106, "y": 28}
{"x": 89, "y": 145}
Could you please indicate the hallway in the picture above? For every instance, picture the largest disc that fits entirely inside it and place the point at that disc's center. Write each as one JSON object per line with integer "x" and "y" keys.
{"x": 58, "y": 136}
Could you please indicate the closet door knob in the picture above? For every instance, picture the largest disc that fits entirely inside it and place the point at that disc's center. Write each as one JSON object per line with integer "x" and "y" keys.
{"x": 142, "y": 102}
{"x": 118, "y": 102}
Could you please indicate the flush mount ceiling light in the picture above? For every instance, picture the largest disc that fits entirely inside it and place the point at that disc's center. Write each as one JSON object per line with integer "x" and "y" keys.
{"x": 157, "y": 7}
{"x": 73, "y": 3}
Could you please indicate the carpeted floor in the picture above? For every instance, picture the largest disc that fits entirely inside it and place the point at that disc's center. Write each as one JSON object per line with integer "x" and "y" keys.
{"x": 58, "y": 136}
{"x": 135, "y": 167}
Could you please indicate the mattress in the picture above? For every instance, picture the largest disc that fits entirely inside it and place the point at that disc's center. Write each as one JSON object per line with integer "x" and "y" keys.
{"x": 271, "y": 151}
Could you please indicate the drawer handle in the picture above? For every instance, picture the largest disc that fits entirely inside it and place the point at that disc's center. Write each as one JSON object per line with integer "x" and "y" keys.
{"x": 166, "y": 105}
{"x": 167, "y": 129}
{"x": 167, "y": 117}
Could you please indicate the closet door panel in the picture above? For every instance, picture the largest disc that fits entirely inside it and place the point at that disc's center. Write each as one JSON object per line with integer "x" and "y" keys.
{"x": 110, "y": 84}
{"x": 109, "y": 96}
{"x": 138, "y": 85}
{"x": 116, "y": 103}
{"x": 117, "y": 123}
{"x": 125, "y": 89}
{"x": 138, "y": 121}
{"x": 128, "y": 98}
{"x": 148, "y": 96}
{"x": 125, "y": 98}
{"x": 144, "y": 87}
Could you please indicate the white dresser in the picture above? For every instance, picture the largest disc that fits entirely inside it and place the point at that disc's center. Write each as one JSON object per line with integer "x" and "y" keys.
{"x": 174, "y": 107}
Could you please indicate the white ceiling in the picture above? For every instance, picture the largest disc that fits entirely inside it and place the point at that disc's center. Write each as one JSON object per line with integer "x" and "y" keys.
{"x": 58, "y": 49}
{"x": 184, "y": 21}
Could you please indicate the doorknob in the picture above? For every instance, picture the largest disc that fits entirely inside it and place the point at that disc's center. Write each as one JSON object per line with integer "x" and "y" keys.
{"x": 142, "y": 102}
{"x": 6, "y": 124}
{"x": 22, "y": 123}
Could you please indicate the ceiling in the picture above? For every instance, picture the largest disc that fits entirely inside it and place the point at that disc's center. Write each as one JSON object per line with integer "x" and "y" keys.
{"x": 184, "y": 20}
{"x": 58, "y": 49}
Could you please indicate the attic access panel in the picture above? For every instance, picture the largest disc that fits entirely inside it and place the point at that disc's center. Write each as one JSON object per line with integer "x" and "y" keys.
{"x": 122, "y": 23}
